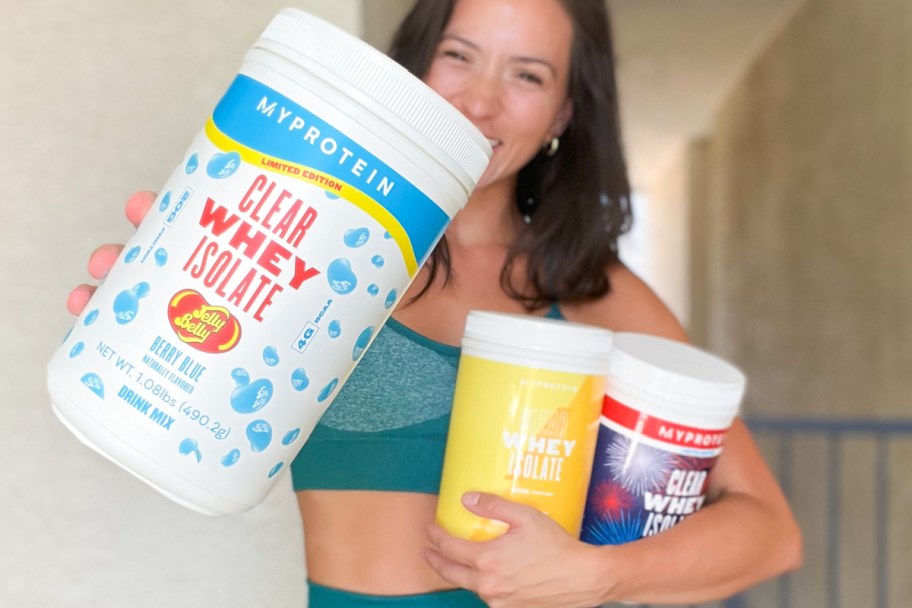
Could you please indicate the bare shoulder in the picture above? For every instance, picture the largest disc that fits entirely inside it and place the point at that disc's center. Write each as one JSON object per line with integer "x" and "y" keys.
{"x": 631, "y": 305}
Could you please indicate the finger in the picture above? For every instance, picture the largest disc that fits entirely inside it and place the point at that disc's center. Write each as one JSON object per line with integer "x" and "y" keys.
{"x": 452, "y": 572}
{"x": 102, "y": 259}
{"x": 78, "y": 298}
{"x": 491, "y": 506}
{"x": 453, "y": 548}
{"x": 138, "y": 206}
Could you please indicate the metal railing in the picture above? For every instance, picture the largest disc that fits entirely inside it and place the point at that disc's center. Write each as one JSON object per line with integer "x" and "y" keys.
{"x": 785, "y": 435}
{"x": 780, "y": 438}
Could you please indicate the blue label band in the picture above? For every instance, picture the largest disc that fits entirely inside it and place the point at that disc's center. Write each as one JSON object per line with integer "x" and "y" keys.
{"x": 257, "y": 117}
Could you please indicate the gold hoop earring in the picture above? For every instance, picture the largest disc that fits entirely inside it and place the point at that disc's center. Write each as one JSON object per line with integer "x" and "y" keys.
{"x": 552, "y": 146}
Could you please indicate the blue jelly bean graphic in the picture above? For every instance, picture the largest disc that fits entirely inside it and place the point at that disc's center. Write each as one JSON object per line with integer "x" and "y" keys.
{"x": 356, "y": 237}
{"x": 231, "y": 457}
{"x": 126, "y": 304}
{"x": 190, "y": 446}
{"x": 161, "y": 257}
{"x": 192, "y": 163}
{"x": 331, "y": 195}
{"x": 249, "y": 396}
{"x": 378, "y": 261}
{"x": 271, "y": 356}
{"x": 94, "y": 384}
{"x": 259, "y": 433}
{"x": 387, "y": 235}
{"x": 373, "y": 289}
{"x": 77, "y": 349}
{"x": 165, "y": 202}
{"x": 299, "y": 379}
{"x": 362, "y": 342}
{"x": 91, "y": 317}
{"x": 335, "y": 328}
{"x": 391, "y": 298}
{"x": 223, "y": 165}
{"x": 131, "y": 254}
{"x": 340, "y": 276}
{"x": 290, "y": 436}
{"x": 327, "y": 390}
{"x": 274, "y": 471}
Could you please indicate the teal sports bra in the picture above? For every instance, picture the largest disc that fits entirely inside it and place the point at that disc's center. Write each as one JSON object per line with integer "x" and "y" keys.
{"x": 387, "y": 427}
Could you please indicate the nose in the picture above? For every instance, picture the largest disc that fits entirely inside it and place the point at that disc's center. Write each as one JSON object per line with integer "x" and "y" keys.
{"x": 481, "y": 96}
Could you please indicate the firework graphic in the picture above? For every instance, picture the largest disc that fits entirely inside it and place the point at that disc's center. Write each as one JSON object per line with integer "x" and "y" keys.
{"x": 608, "y": 499}
{"x": 625, "y": 528}
{"x": 638, "y": 468}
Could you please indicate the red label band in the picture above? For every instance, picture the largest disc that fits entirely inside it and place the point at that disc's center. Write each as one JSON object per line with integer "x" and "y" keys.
{"x": 661, "y": 430}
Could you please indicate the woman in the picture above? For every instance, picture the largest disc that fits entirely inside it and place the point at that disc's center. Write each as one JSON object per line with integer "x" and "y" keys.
{"x": 538, "y": 237}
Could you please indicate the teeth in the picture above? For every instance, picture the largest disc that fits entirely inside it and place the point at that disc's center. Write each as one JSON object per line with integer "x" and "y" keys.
{"x": 493, "y": 142}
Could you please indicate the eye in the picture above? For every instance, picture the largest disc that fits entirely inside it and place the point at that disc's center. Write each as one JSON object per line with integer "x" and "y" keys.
{"x": 454, "y": 54}
{"x": 531, "y": 78}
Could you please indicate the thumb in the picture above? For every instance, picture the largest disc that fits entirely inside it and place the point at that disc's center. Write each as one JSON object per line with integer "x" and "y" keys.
{"x": 491, "y": 506}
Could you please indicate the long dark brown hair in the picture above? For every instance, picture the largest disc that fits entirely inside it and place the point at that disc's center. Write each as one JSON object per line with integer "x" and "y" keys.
{"x": 578, "y": 200}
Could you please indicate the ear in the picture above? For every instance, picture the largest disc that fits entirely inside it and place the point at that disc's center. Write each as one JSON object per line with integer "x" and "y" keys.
{"x": 563, "y": 118}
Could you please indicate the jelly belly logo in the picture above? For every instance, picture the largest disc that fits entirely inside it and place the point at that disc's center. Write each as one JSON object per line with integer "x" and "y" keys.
{"x": 210, "y": 329}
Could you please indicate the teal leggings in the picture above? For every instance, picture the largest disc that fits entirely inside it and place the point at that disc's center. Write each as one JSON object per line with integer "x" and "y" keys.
{"x": 327, "y": 597}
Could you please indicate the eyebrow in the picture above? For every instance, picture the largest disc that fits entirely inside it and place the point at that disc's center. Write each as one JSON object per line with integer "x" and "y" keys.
{"x": 520, "y": 58}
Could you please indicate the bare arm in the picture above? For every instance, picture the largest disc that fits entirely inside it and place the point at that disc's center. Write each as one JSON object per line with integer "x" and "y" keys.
{"x": 744, "y": 535}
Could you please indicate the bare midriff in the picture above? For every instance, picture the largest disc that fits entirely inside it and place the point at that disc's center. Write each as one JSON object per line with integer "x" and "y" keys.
{"x": 369, "y": 542}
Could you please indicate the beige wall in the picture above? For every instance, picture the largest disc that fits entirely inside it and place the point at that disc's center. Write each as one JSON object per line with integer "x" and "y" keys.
{"x": 801, "y": 253}
{"x": 658, "y": 246}
{"x": 804, "y": 214}
{"x": 99, "y": 99}
{"x": 380, "y": 18}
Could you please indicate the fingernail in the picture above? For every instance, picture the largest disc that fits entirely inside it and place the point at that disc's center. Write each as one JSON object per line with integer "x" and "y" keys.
{"x": 470, "y": 498}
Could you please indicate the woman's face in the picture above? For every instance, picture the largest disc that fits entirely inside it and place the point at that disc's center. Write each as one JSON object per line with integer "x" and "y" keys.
{"x": 505, "y": 64}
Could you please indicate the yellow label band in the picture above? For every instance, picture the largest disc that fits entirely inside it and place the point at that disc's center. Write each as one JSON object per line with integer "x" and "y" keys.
{"x": 324, "y": 181}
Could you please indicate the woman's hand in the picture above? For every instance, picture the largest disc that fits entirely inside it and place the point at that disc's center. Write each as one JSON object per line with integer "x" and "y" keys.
{"x": 103, "y": 258}
{"x": 745, "y": 534}
{"x": 536, "y": 563}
